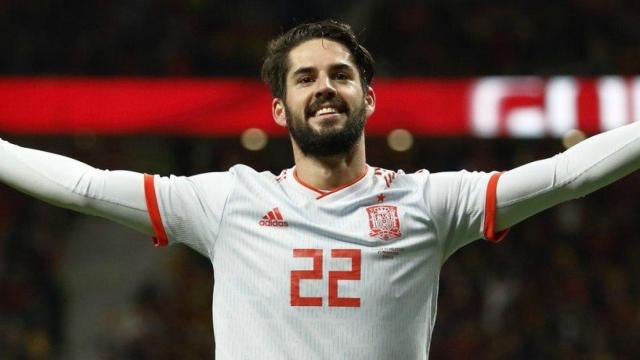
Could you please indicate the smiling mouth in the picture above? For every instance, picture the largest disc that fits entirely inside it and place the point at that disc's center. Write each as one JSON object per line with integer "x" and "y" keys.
{"x": 327, "y": 112}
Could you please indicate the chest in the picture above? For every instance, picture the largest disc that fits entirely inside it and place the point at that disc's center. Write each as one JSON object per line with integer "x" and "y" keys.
{"x": 369, "y": 219}
{"x": 267, "y": 232}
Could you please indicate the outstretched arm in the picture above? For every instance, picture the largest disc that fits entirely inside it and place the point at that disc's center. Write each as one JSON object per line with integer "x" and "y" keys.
{"x": 586, "y": 167}
{"x": 61, "y": 181}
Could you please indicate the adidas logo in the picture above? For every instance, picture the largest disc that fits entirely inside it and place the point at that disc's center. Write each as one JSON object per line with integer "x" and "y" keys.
{"x": 273, "y": 218}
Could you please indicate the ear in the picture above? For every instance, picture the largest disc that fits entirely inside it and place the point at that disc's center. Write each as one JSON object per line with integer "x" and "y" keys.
{"x": 370, "y": 101}
{"x": 277, "y": 110}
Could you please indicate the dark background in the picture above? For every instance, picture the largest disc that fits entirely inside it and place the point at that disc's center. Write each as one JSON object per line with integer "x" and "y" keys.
{"x": 563, "y": 285}
{"x": 407, "y": 38}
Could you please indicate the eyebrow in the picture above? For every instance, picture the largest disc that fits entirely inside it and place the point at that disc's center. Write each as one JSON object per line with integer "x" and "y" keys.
{"x": 311, "y": 69}
{"x": 303, "y": 70}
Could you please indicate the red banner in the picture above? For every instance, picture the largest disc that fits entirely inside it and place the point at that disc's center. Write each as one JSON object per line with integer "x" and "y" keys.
{"x": 486, "y": 107}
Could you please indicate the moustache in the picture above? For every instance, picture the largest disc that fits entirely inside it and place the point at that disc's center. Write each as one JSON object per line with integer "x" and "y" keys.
{"x": 336, "y": 102}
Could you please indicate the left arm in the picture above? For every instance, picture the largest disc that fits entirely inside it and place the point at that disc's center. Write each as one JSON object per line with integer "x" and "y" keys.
{"x": 582, "y": 169}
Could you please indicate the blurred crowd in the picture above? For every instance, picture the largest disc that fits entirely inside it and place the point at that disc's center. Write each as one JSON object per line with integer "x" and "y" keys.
{"x": 407, "y": 38}
{"x": 31, "y": 298}
{"x": 563, "y": 285}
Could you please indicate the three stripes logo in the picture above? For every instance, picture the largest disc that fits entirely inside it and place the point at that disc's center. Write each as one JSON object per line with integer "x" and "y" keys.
{"x": 273, "y": 218}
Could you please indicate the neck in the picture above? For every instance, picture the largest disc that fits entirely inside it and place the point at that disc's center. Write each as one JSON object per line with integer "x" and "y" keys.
{"x": 327, "y": 173}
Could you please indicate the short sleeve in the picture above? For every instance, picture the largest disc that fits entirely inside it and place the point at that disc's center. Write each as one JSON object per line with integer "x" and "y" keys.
{"x": 188, "y": 210}
{"x": 460, "y": 204}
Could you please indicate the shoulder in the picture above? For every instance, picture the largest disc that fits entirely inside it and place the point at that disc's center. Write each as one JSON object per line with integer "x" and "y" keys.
{"x": 462, "y": 183}
{"x": 400, "y": 177}
{"x": 239, "y": 172}
{"x": 223, "y": 180}
{"x": 247, "y": 173}
{"x": 425, "y": 179}
{"x": 220, "y": 184}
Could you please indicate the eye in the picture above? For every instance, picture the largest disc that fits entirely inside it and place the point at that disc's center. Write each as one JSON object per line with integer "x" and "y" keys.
{"x": 305, "y": 79}
{"x": 342, "y": 76}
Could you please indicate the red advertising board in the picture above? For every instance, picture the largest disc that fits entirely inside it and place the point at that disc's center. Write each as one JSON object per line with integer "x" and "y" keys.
{"x": 484, "y": 107}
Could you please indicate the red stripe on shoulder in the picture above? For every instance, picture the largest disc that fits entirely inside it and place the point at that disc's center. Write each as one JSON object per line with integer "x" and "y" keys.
{"x": 490, "y": 212}
{"x": 161, "y": 238}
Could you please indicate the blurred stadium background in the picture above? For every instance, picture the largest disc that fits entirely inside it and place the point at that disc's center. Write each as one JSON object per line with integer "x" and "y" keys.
{"x": 563, "y": 285}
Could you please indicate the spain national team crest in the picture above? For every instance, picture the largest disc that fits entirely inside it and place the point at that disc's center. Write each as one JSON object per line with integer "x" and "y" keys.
{"x": 384, "y": 222}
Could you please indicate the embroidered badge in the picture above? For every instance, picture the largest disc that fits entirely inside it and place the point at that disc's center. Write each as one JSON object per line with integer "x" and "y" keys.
{"x": 384, "y": 222}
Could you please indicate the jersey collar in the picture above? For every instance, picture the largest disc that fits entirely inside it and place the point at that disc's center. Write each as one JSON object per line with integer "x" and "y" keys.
{"x": 319, "y": 193}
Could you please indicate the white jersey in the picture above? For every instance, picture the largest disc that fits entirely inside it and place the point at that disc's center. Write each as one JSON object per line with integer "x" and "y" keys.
{"x": 302, "y": 273}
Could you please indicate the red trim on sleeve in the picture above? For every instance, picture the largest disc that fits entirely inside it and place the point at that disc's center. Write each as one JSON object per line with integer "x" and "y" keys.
{"x": 490, "y": 212}
{"x": 161, "y": 238}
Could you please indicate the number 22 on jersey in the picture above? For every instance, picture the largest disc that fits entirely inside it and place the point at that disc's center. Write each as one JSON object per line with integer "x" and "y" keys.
{"x": 334, "y": 276}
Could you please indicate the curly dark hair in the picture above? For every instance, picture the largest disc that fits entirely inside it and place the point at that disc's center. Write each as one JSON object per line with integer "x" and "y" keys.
{"x": 276, "y": 62}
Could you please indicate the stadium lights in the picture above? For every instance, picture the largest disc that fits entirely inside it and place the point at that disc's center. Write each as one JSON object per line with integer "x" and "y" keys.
{"x": 572, "y": 137}
{"x": 254, "y": 139}
{"x": 400, "y": 140}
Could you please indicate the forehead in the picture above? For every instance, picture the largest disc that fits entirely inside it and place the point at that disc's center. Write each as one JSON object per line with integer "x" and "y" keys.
{"x": 319, "y": 53}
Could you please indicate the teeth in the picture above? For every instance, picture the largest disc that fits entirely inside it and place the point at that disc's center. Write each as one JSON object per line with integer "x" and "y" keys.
{"x": 327, "y": 110}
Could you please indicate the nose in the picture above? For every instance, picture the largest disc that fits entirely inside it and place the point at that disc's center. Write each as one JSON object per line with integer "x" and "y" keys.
{"x": 325, "y": 89}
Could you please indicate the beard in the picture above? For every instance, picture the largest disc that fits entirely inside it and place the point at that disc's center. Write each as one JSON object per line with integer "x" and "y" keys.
{"x": 331, "y": 141}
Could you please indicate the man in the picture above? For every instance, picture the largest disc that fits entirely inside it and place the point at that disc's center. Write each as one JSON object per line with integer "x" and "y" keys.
{"x": 333, "y": 258}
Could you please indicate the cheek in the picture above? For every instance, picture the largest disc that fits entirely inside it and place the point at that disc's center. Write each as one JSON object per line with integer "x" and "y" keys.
{"x": 296, "y": 103}
{"x": 354, "y": 94}
{"x": 294, "y": 108}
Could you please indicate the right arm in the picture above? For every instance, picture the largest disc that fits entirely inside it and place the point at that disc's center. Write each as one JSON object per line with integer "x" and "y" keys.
{"x": 116, "y": 195}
